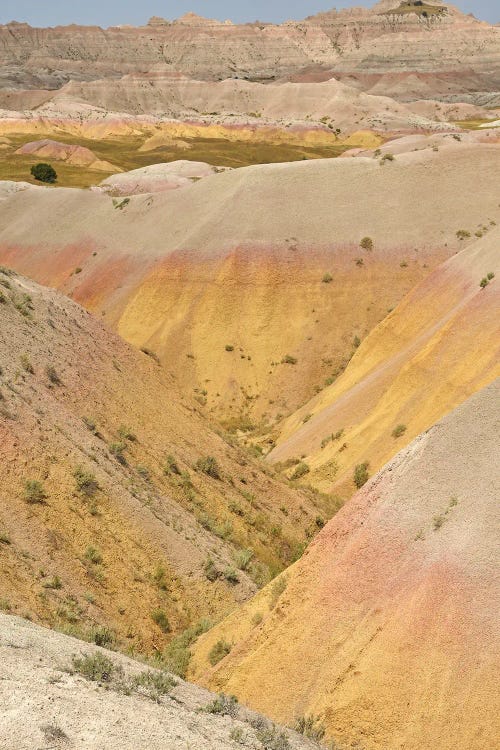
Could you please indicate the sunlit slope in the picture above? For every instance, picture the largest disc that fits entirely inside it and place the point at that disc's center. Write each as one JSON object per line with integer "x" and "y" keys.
{"x": 118, "y": 502}
{"x": 439, "y": 346}
{"x": 265, "y": 259}
{"x": 386, "y": 629}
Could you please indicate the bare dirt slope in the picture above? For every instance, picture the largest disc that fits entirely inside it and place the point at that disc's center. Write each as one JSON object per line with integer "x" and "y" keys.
{"x": 265, "y": 259}
{"x": 120, "y": 507}
{"x": 387, "y": 627}
{"x": 437, "y": 348}
{"x": 45, "y": 703}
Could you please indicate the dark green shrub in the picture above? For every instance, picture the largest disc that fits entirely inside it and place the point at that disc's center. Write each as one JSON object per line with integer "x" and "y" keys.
{"x": 44, "y": 172}
{"x": 229, "y": 348}
{"x": 366, "y": 243}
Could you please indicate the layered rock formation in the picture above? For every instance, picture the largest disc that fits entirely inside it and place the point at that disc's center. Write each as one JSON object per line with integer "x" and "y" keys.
{"x": 408, "y": 50}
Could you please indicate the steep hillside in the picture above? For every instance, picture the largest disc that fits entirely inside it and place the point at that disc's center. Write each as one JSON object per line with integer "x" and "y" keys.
{"x": 251, "y": 285}
{"x": 57, "y": 692}
{"x": 386, "y": 629}
{"x": 438, "y": 347}
{"x": 123, "y": 515}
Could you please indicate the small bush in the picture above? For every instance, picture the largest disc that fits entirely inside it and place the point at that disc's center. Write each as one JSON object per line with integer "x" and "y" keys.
{"x": 154, "y": 684}
{"x": 116, "y": 450}
{"x": 209, "y": 466}
{"x": 387, "y": 157}
{"x": 462, "y": 234}
{"x": 366, "y": 243}
{"x": 490, "y": 276}
{"x": 226, "y": 705}
{"x": 160, "y": 618}
{"x": 398, "y": 431}
{"x": 327, "y": 278}
{"x": 52, "y": 375}
{"x": 55, "y": 584}
{"x": 44, "y": 173}
{"x": 271, "y": 738}
{"x": 86, "y": 483}
{"x": 218, "y": 652}
{"x": 124, "y": 433}
{"x": 96, "y": 667}
{"x": 311, "y": 727}
{"x": 229, "y": 348}
{"x": 361, "y": 475}
{"x": 244, "y": 558}
{"x": 53, "y": 733}
{"x": 26, "y": 364}
{"x": 289, "y": 360}
{"x": 231, "y": 575}
{"x": 93, "y": 555}
{"x": 210, "y": 569}
{"x": 102, "y": 636}
{"x": 359, "y": 262}
{"x": 300, "y": 471}
{"x": 171, "y": 466}
{"x": 34, "y": 492}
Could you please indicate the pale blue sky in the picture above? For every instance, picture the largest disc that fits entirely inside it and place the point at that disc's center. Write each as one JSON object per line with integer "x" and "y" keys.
{"x": 137, "y": 12}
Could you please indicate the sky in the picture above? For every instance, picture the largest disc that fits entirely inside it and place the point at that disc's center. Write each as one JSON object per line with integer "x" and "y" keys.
{"x": 137, "y": 12}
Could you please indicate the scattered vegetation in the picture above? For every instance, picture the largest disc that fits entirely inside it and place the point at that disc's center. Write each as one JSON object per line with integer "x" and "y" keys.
{"x": 327, "y": 278}
{"x": 462, "y": 234}
{"x": 439, "y": 520}
{"x": 219, "y": 651}
{"x": 289, "y": 360}
{"x": 366, "y": 243}
{"x": 229, "y": 348}
{"x": 93, "y": 555}
{"x": 53, "y": 733}
{"x": 361, "y": 475}
{"x": 116, "y": 449}
{"x": 271, "y": 738}
{"x": 125, "y": 433}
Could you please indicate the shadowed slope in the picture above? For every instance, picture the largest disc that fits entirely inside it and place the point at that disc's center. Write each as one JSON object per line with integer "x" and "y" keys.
{"x": 266, "y": 260}
{"x": 387, "y": 627}
{"x": 438, "y": 347}
{"x": 119, "y": 505}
